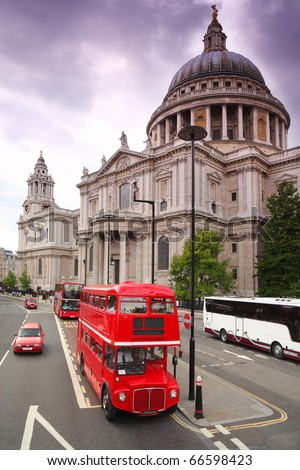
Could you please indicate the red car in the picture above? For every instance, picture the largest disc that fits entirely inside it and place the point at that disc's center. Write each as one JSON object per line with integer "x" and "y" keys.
{"x": 30, "y": 339}
{"x": 30, "y": 302}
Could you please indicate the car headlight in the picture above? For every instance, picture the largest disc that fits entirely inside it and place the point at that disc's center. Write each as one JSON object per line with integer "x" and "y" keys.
{"x": 18, "y": 345}
{"x": 122, "y": 396}
{"x": 36, "y": 345}
{"x": 173, "y": 393}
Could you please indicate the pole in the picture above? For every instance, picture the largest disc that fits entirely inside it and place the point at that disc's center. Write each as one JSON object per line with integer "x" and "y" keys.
{"x": 198, "y": 404}
{"x": 153, "y": 241}
{"x": 192, "y": 337}
{"x": 192, "y": 133}
{"x": 152, "y": 231}
{"x": 108, "y": 247}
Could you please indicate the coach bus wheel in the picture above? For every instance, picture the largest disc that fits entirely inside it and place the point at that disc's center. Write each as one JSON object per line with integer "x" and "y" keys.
{"x": 223, "y": 336}
{"x": 277, "y": 350}
{"x": 109, "y": 410}
{"x": 82, "y": 365}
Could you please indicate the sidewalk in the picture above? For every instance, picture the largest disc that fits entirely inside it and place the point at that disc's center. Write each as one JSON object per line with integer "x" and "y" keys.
{"x": 222, "y": 402}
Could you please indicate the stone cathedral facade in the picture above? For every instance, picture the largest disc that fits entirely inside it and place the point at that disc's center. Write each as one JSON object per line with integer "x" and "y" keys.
{"x": 239, "y": 164}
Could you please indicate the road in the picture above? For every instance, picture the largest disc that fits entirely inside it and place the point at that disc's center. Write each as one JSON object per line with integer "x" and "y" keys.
{"x": 46, "y": 404}
{"x": 39, "y": 408}
{"x": 275, "y": 381}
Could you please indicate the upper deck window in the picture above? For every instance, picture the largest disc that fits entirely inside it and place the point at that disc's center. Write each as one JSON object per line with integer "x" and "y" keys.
{"x": 133, "y": 304}
{"x": 162, "y": 305}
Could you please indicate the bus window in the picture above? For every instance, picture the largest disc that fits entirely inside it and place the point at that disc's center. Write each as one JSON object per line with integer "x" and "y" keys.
{"x": 133, "y": 305}
{"x": 109, "y": 357}
{"x": 154, "y": 353}
{"x": 131, "y": 361}
{"x": 102, "y": 302}
{"x": 112, "y": 303}
{"x": 162, "y": 305}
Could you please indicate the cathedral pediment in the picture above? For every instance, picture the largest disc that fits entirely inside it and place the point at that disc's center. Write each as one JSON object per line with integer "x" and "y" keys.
{"x": 119, "y": 161}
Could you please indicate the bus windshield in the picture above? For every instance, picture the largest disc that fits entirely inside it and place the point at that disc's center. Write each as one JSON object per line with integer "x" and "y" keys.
{"x": 162, "y": 305}
{"x": 72, "y": 291}
{"x": 132, "y": 361}
{"x": 70, "y": 305}
{"x": 133, "y": 304}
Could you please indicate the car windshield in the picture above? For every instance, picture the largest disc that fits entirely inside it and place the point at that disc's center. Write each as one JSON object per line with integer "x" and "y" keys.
{"x": 31, "y": 300}
{"x": 29, "y": 332}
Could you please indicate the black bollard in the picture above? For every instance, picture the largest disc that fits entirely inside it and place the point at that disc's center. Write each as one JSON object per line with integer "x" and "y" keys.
{"x": 198, "y": 402}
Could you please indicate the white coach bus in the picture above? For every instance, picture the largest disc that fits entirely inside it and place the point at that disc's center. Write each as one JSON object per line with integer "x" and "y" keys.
{"x": 270, "y": 324}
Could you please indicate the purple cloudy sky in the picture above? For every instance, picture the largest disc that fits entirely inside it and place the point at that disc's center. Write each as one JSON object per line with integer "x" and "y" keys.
{"x": 75, "y": 73}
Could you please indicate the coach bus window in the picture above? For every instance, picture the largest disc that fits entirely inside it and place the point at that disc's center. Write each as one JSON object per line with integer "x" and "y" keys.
{"x": 162, "y": 305}
{"x": 133, "y": 305}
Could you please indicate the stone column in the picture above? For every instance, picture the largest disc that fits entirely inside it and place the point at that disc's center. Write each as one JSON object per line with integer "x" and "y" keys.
{"x": 240, "y": 123}
{"x": 224, "y": 122}
{"x": 255, "y": 132}
{"x": 96, "y": 258}
{"x": 123, "y": 266}
{"x": 277, "y": 144}
{"x": 268, "y": 136}
{"x": 208, "y": 123}
{"x": 167, "y": 131}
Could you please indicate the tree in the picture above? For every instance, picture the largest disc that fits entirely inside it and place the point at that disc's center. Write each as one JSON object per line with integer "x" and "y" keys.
{"x": 10, "y": 280}
{"x": 25, "y": 280}
{"x": 279, "y": 264}
{"x": 210, "y": 273}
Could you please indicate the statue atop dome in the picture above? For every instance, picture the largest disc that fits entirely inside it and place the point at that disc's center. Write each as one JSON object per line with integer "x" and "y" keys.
{"x": 214, "y": 14}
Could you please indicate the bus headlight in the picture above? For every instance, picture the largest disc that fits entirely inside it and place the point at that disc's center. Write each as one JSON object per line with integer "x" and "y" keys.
{"x": 122, "y": 396}
{"x": 173, "y": 393}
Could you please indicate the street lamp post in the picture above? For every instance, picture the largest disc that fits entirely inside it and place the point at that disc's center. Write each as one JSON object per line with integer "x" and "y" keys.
{"x": 152, "y": 203}
{"x": 192, "y": 133}
{"x": 108, "y": 216}
{"x": 86, "y": 240}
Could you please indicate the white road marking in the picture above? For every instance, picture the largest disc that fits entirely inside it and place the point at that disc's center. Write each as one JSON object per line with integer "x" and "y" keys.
{"x": 222, "y": 429}
{"x": 207, "y": 433}
{"x": 239, "y": 444}
{"x": 220, "y": 445}
{"x": 77, "y": 389}
{"x": 3, "y": 358}
{"x": 238, "y": 355}
{"x": 33, "y": 415}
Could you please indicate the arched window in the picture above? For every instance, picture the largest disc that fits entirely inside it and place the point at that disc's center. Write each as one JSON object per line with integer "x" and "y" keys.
{"x": 124, "y": 196}
{"x": 40, "y": 267}
{"x": 91, "y": 253}
{"x": 76, "y": 267}
{"x": 163, "y": 253}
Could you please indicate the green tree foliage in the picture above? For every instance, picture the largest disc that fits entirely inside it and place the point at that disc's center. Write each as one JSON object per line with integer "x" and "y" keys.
{"x": 279, "y": 264}
{"x": 25, "y": 280}
{"x": 10, "y": 280}
{"x": 210, "y": 273}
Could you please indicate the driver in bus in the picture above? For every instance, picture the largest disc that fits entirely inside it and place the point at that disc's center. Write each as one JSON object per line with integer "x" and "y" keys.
{"x": 112, "y": 303}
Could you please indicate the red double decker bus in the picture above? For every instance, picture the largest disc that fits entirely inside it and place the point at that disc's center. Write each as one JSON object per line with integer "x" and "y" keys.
{"x": 66, "y": 299}
{"x": 124, "y": 332}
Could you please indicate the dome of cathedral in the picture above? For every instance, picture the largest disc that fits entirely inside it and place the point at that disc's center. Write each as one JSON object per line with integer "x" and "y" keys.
{"x": 216, "y": 62}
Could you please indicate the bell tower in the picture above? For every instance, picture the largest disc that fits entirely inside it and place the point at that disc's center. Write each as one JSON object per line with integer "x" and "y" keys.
{"x": 40, "y": 188}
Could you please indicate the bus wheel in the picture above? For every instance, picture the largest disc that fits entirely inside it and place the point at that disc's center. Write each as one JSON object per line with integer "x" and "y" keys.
{"x": 223, "y": 336}
{"x": 172, "y": 409}
{"x": 277, "y": 350}
{"x": 109, "y": 410}
{"x": 82, "y": 365}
